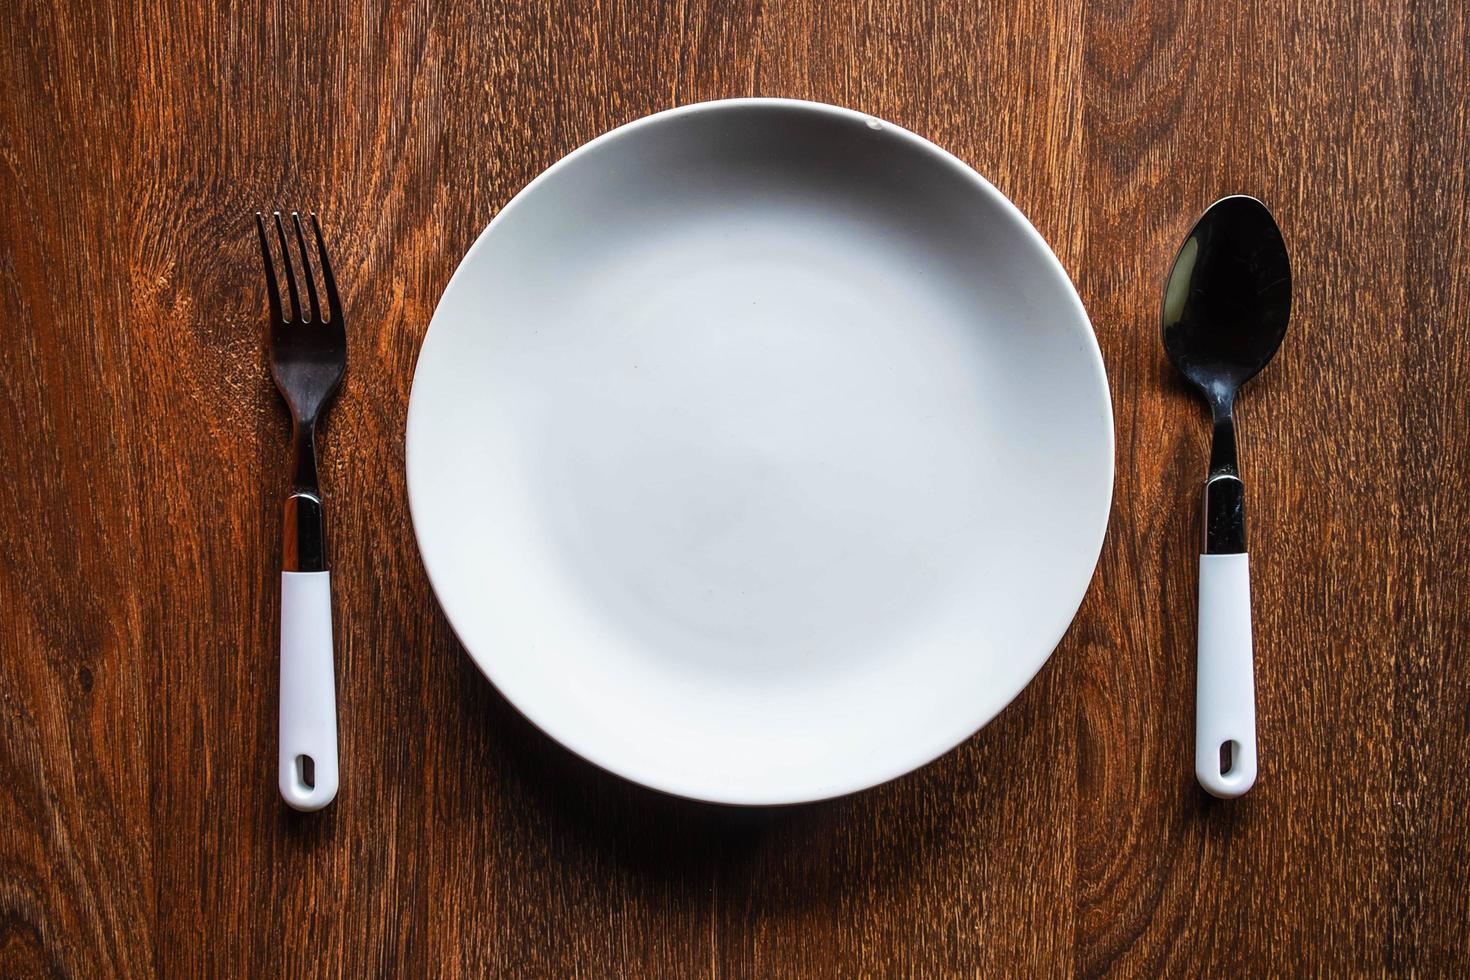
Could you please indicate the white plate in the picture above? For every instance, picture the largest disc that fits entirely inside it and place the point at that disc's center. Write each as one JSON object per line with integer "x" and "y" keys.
{"x": 760, "y": 451}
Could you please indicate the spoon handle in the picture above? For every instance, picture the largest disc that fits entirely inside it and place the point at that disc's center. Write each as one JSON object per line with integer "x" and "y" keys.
{"x": 1225, "y": 707}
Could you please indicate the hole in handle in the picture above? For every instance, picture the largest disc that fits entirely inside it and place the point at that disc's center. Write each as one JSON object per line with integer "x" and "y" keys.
{"x": 1228, "y": 750}
{"x": 306, "y": 771}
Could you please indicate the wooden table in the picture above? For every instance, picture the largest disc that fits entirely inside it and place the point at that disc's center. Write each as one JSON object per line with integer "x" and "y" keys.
{"x": 140, "y": 828}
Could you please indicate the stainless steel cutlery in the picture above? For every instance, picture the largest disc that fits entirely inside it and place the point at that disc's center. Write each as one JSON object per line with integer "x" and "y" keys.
{"x": 1226, "y": 304}
{"x": 308, "y": 354}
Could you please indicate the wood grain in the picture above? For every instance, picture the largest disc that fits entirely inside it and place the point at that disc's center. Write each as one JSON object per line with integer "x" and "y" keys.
{"x": 140, "y": 831}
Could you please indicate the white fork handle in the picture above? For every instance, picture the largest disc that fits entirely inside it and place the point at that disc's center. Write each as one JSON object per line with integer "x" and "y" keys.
{"x": 1225, "y": 698}
{"x": 308, "y": 736}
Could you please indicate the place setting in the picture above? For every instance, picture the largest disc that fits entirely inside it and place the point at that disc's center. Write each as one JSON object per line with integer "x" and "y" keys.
{"x": 761, "y": 451}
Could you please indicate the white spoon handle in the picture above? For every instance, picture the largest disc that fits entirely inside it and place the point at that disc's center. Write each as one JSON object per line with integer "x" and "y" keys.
{"x": 308, "y": 736}
{"x": 1225, "y": 709}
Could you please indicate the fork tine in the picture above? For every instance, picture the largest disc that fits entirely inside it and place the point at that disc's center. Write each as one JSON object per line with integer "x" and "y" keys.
{"x": 334, "y": 305}
{"x": 290, "y": 275}
{"x": 316, "y": 311}
{"x": 272, "y": 290}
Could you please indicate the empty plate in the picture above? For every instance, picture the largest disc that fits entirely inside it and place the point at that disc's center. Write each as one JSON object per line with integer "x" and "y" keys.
{"x": 760, "y": 451}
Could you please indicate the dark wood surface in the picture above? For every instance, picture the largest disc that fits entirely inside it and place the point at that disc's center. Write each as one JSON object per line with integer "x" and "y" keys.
{"x": 143, "y": 448}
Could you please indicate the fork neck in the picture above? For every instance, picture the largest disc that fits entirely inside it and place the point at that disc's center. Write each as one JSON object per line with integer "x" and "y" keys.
{"x": 303, "y": 457}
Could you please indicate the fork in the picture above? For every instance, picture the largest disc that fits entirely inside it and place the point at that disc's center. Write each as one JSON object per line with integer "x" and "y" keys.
{"x": 308, "y": 352}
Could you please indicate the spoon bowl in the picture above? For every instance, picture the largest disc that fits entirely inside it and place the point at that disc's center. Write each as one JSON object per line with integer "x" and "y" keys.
{"x": 1228, "y": 298}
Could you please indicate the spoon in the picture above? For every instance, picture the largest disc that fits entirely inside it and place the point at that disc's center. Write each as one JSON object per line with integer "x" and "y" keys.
{"x": 1226, "y": 304}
